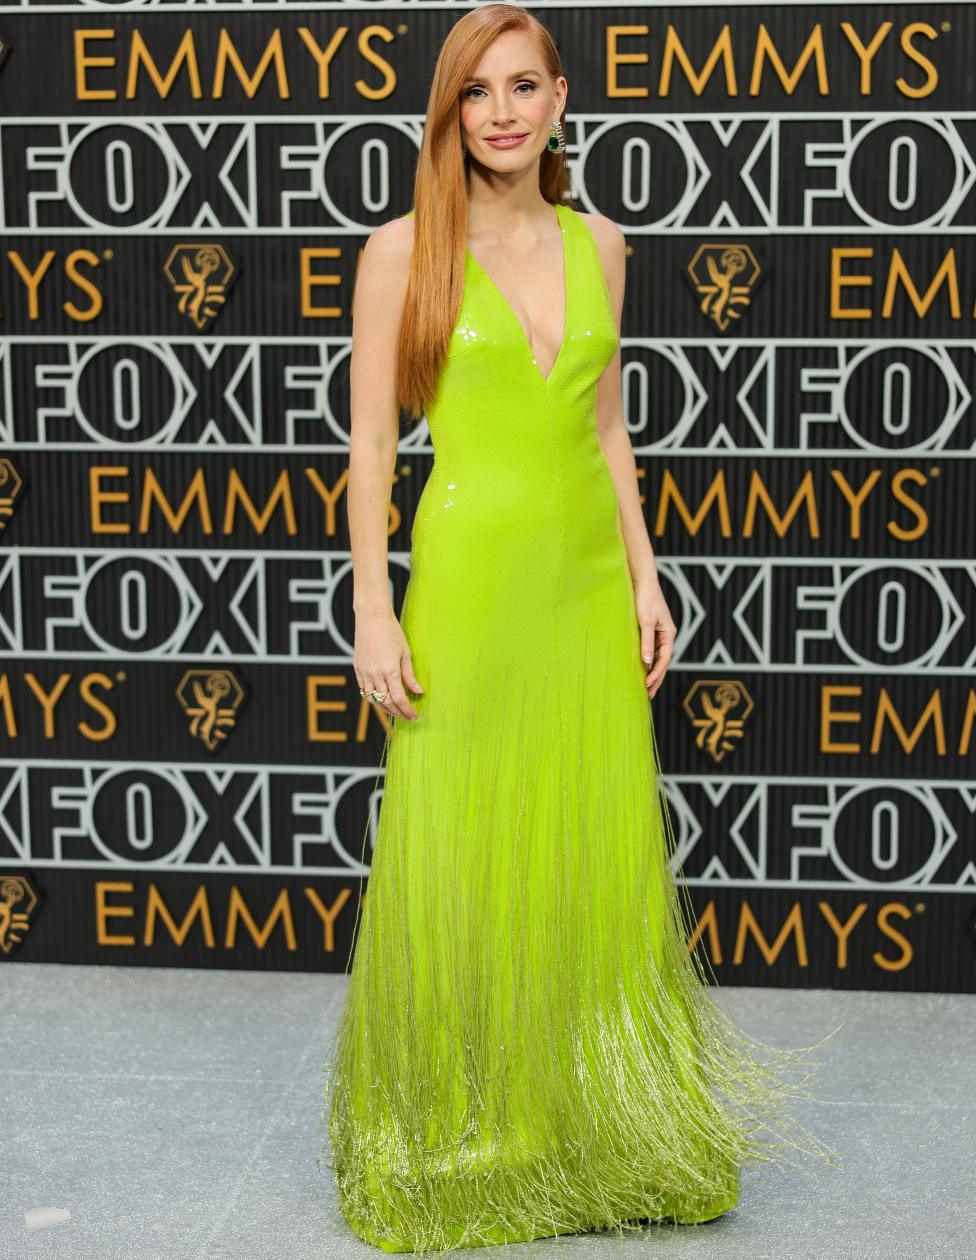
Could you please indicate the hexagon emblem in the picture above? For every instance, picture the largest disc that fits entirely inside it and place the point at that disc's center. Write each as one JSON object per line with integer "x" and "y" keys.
{"x": 18, "y": 901}
{"x": 211, "y": 699}
{"x": 718, "y": 709}
{"x": 201, "y": 275}
{"x": 724, "y": 276}
{"x": 10, "y": 488}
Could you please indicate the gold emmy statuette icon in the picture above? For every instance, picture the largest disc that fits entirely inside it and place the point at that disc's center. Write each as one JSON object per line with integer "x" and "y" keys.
{"x": 200, "y": 274}
{"x": 15, "y": 891}
{"x": 211, "y": 699}
{"x": 724, "y": 276}
{"x": 718, "y": 708}
{"x": 10, "y": 488}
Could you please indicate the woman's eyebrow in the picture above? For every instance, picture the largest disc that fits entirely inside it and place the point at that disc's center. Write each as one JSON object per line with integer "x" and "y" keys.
{"x": 522, "y": 74}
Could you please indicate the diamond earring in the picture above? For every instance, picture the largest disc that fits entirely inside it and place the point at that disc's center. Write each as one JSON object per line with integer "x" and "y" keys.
{"x": 557, "y": 139}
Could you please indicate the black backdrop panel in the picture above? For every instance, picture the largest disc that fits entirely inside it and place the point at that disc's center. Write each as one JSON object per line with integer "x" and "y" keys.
{"x": 189, "y": 776}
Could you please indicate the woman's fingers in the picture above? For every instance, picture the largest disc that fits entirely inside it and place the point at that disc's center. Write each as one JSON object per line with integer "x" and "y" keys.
{"x": 408, "y": 674}
{"x": 662, "y": 654}
{"x": 395, "y": 701}
{"x": 397, "y": 697}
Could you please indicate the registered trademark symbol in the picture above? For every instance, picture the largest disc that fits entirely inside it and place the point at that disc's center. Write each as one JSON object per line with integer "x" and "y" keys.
{"x": 933, "y": 472}
{"x": 121, "y": 675}
{"x": 919, "y": 907}
{"x": 401, "y": 28}
{"x": 107, "y": 253}
{"x": 947, "y": 26}
{"x": 405, "y": 470}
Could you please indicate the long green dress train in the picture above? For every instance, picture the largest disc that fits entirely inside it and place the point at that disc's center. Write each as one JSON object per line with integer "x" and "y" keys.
{"x": 527, "y": 1047}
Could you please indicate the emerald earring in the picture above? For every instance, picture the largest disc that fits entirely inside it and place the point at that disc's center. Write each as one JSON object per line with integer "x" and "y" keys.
{"x": 557, "y": 139}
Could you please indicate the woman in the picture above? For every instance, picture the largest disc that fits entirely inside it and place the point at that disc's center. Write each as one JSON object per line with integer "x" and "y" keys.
{"x": 527, "y": 1046}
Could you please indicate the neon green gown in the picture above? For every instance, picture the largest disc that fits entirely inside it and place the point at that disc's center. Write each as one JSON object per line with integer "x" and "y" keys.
{"x": 527, "y": 1047}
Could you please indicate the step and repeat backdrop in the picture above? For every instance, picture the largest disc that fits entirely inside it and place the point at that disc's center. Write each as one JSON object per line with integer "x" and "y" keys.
{"x": 188, "y": 771}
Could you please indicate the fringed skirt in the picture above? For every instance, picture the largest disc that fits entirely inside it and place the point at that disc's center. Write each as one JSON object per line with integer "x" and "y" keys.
{"x": 527, "y": 1046}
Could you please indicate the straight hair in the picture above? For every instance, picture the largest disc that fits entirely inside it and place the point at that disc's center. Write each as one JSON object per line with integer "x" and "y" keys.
{"x": 440, "y": 200}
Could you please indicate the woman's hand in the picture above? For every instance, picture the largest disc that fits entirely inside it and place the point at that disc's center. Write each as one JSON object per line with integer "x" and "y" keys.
{"x": 657, "y": 632}
{"x": 382, "y": 662}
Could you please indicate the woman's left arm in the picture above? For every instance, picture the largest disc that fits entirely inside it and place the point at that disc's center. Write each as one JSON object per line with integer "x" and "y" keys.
{"x": 657, "y": 628}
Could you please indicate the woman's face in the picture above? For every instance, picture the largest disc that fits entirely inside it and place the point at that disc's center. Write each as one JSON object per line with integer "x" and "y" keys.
{"x": 509, "y": 94}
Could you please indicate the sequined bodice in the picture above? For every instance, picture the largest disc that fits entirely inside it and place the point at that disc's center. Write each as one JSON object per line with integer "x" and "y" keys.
{"x": 518, "y": 463}
{"x": 487, "y": 326}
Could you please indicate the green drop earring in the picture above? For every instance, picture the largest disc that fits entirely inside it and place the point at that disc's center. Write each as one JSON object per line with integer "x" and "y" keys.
{"x": 557, "y": 139}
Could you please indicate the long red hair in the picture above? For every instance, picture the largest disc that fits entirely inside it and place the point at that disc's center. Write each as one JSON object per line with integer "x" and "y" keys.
{"x": 440, "y": 199}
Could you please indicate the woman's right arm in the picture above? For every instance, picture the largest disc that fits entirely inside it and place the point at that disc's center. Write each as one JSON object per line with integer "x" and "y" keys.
{"x": 382, "y": 656}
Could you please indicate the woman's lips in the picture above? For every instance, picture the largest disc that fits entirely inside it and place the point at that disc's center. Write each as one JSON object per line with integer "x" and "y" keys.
{"x": 506, "y": 142}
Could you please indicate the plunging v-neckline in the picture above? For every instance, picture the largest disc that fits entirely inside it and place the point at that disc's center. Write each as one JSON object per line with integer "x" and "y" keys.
{"x": 566, "y": 291}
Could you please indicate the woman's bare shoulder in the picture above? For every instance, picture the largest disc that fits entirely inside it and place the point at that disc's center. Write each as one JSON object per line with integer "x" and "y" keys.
{"x": 391, "y": 243}
{"x": 608, "y": 236}
{"x": 611, "y": 245}
{"x": 384, "y": 272}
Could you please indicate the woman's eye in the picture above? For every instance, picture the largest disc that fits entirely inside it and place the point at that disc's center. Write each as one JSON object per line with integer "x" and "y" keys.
{"x": 524, "y": 83}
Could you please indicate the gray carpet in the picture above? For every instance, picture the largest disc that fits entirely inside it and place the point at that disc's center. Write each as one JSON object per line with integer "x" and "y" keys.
{"x": 177, "y": 1115}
